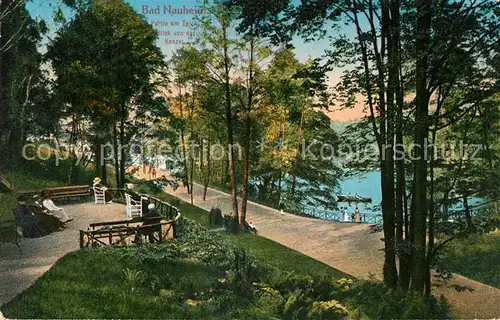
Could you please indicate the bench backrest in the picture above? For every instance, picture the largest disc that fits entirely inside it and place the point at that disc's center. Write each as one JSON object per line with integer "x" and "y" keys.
{"x": 81, "y": 190}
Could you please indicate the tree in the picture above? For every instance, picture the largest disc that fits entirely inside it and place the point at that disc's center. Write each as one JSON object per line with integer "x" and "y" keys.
{"x": 104, "y": 59}
{"x": 215, "y": 36}
{"x": 399, "y": 52}
{"x": 20, "y": 74}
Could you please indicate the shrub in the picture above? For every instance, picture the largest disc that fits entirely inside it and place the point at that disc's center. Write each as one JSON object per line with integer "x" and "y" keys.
{"x": 377, "y": 301}
{"x": 204, "y": 246}
{"x": 327, "y": 310}
{"x": 216, "y": 219}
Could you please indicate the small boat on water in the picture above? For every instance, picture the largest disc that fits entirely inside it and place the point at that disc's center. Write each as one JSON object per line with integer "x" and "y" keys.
{"x": 353, "y": 198}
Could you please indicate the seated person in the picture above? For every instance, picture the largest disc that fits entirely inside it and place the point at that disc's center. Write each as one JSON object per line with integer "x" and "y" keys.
{"x": 151, "y": 217}
{"x": 250, "y": 227}
{"x": 32, "y": 226}
{"x": 97, "y": 184}
{"x": 53, "y": 223}
{"x": 137, "y": 197}
{"x": 54, "y": 210}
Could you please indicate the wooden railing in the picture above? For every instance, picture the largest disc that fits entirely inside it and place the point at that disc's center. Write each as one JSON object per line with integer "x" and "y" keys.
{"x": 133, "y": 231}
{"x": 371, "y": 218}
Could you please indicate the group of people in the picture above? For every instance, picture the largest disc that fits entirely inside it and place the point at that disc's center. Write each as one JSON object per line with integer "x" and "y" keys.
{"x": 355, "y": 217}
{"x": 39, "y": 218}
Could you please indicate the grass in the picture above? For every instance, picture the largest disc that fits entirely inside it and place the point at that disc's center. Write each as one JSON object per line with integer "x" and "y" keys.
{"x": 263, "y": 249}
{"x": 93, "y": 284}
{"x": 476, "y": 257}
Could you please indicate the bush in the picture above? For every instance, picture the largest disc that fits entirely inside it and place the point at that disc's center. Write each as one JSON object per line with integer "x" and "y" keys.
{"x": 202, "y": 245}
{"x": 231, "y": 224}
{"x": 376, "y": 301}
{"x": 216, "y": 219}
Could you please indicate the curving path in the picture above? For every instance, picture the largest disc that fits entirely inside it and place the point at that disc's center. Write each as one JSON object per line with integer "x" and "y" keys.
{"x": 348, "y": 247}
{"x": 18, "y": 272}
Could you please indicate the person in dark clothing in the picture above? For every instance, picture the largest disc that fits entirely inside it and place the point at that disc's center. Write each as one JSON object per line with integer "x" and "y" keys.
{"x": 32, "y": 226}
{"x": 149, "y": 218}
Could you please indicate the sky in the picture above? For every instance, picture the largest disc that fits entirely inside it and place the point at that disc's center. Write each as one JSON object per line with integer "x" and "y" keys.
{"x": 174, "y": 28}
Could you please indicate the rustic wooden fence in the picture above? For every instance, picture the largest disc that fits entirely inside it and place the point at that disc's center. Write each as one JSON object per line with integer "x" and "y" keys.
{"x": 137, "y": 230}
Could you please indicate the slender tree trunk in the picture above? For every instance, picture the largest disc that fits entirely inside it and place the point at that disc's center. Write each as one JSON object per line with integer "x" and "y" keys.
{"x": 468, "y": 217}
{"x": 273, "y": 185}
{"x": 116, "y": 156}
{"x": 7, "y": 62}
{"x": 386, "y": 106}
{"x": 299, "y": 144}
{"x": 246, "y": 159}
{"x": 430, "y": 245}
{"x": 202, "y": 159}
{"x": 209, "y": 170}
{"x": 389, "y": 270}
{"x": 191, "y": 139}
{"x": 424, "y": 16}
{"x": 229, "y": 120}
{"x": 400, "y": 203}
{"x": 183, "y": 144}
{"x": 225, "y": 177}
{"x": 100, "y": 161}
{"x": 122, "y": 148}
{"x": 279, "y": 187}
{"x": 71, "y": 138}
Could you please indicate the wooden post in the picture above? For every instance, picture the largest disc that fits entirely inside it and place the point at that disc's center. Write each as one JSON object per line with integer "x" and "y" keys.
{"x": 81, "y": 239}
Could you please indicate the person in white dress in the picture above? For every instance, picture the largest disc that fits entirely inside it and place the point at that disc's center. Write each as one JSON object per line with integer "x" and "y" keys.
{"x": 54, "y": 210}
{"x": 346, "y": 215}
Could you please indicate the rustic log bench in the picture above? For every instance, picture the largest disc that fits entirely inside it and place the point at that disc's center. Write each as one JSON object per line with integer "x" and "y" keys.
{"x": 8, "y": 233}
{"x": 68, "y": 192}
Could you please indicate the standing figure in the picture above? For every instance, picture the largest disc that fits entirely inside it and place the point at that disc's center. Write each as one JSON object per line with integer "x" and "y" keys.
{"x": 345, "y": 214}
{"x": 357, "y": 215}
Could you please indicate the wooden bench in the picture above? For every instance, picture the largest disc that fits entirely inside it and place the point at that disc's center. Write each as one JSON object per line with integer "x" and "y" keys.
{"x": 68, "y": 192}
{"x": 8, "y": 233}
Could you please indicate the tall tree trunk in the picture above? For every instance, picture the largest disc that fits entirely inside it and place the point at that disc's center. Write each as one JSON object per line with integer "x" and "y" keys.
{"x": 389, "y": 212}
{"x": 100, "y": 163}
{"x": 299, "y": 144}
{"x": 229, "y": 120}
{"x": 208, "y": 174}
{"x": 116, "y": 156}
{"x": 122, "y": 147}
{"x": 279, "y": 187}
{"x": 246, "y": 159}
{"x": 424, "y": 16}
{"x": 191, "y": 139}
{"x": 7, "y": 63}
{"x": 201, "y": 158}
{"x": 468, "y": 217}
{"x": 389, "y": 269}
{"x": 430, "y": 244}
{"x": 400, "y": 202}
{"x": 183, "y": 145}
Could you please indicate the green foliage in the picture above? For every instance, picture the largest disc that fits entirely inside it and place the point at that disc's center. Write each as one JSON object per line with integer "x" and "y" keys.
{"x": 133, "y": 279}
{"x": 207, "y": 247}
{"x": 475, "y": 257}
{"x": 378, "y": 302}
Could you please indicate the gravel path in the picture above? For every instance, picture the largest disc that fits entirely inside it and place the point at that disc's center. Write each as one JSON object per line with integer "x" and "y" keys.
{"x": 348, "y": 247}
{"x": 18, "y": 272}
